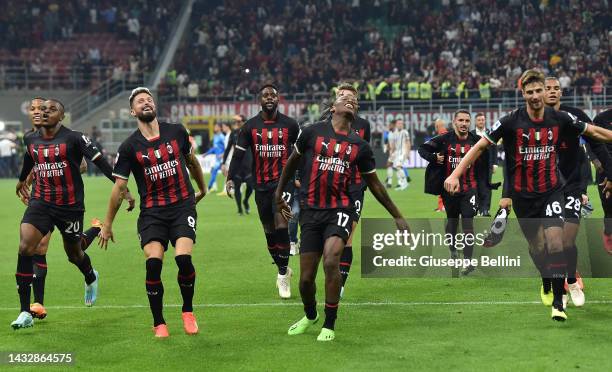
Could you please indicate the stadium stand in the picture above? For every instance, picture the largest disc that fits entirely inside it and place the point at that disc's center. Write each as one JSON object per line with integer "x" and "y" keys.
{"x": 476, "y": 49}
{"x": 73, "y": 44}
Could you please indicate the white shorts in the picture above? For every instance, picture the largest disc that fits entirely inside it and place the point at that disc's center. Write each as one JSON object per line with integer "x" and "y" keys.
{"x": 399, "y": 161}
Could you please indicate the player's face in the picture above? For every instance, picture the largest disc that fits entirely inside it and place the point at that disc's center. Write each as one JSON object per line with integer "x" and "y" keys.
{"x": 143, "y": 108}
{"x": 534, "y": 95}
{"x": 399, "y": 125}
{"x": 345, "y": 105}
{"x": 269, "y": 99}
{"x": 480, "y": 122}
{"x": 462, "y": 123}
{"x": 35, "y": 112}
{"x": 553, "y": 92}
{"x": 52, "y": 114}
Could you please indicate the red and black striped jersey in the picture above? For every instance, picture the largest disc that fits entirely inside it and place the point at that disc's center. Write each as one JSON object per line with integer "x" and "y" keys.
{"x": 330, "y": 158}
{"x": 57, "y": 164}
{"x": 454, "y": 149}
{"x": 271, "y": 143}
{"x": 532, "y": 149}
{"x": 158, "y": 165}
{"x": 362, "y": 128}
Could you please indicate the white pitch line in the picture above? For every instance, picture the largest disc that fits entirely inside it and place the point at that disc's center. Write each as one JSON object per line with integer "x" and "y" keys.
{"x": 280, "y": 304}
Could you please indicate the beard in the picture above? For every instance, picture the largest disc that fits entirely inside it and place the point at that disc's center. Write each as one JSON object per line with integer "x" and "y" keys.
{"x": 265, "y": 109}
{"x": 147, "y": 117}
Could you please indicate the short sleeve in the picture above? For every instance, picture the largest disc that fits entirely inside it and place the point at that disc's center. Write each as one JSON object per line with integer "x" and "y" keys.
{"x": 365, "y": 159}
{"x": 497, "y": 131}
{"x": 301, "y": 144}
{"x": 244, "y": 137}
{"x": 186, "y": 147}
{"x": 566, "y": 119}
{"x": 122, "y": 162}
{"x": 87, "y": 146}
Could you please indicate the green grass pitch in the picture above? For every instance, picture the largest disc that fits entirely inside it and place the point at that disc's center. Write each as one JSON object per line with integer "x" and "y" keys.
{"x": 385, "y": 324}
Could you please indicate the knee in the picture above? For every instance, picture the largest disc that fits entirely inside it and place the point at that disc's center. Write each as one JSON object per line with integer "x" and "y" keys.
{"x": 26, "y": 249}
{"x": 306, "y": 282}
{"x": 331, "y": 264}
{"x": 75, "y": 258}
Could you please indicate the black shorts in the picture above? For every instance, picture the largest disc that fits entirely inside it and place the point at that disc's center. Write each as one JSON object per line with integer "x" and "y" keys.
{"x": 572, "y": 206}
{"x": 44, "y": 217}
{"x": 167, "y": 224}
{"x": 546, "y": 211}
{"x": 357, "y": 198}
{"x": 266, "y": 205}
{"x": 464, "y": 205}
{"x": 316, "y": 225}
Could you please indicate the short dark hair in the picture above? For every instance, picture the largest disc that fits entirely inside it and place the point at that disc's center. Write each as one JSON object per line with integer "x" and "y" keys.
{"x": 38, "y": 98}
{"x": 461, "y": 111}
{"x": 58, "y": 102}
{"x": 479, "y": 114}
{"x": 137, "y": 91}
{"x": 268, "y": 85}
{"x": 531, "y": 76}
{"x": 551, "y": 78}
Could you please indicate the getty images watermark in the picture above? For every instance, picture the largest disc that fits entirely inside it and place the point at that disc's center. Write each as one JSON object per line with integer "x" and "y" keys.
{"x": 430, "y": 249}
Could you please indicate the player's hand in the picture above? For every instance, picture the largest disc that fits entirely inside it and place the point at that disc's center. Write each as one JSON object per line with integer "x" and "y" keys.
{"x": 494, "y": 168}
{"x": 229, "y": 188}
{"x": 283, "y": 208}
{"x": 451, "y": 184}
{"x": 607, "y": 187}
{"x": 200, "y": 195}
{"x": 585, "y": 199}
{"x": 106, "y": 234}
{"x": 505, "y": 203}
{"x": 131, "y": 201}
{"x": 402, "y": 225}
{"x": 23, "y": 192}
{"x": 224, "y": 170}
{"x": 598, "y": 166}
{"x": 439, "y": 158}
{"x": 298, "y": 184}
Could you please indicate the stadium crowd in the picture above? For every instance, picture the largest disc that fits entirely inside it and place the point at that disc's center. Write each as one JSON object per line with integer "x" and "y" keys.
{"x": 36, "y": 24}
{"x": 461, "y": 47}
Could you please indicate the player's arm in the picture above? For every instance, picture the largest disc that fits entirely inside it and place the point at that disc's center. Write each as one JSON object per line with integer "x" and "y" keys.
{"x": 83, "y": 166}
{"x": 594, "y": 132}
{"x": 431, "y": 150}
{"x": 407, "y": 147}
{"x": 451, "y": 184}
{"x": 22, "y": 189}
{"x": 196, "y": 173}
{"x": 117, "y": 196}
{"x": 240, "y": 149}
{"x": 287, "y": 175}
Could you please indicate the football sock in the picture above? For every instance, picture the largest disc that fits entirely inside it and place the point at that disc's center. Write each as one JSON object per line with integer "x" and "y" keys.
{"x": 468, "y": 228}
{"x": 283, "y": 248}
{"x": 346, "y": 259}
{"x": 539, "y": 260}
{"x": 155, "y": 290}
{"x": 88, "y": 237}
{"x": 24, "y": 276}
{"x": 571, "y": 255}
{"x": 40, "y": 273}
{"x": 311, "y": 310}
{"x": 331, "y": 312}
{"x": 87, "y": 270}
{"x": 186, "y": 280}
{"x": 557, "y": 267}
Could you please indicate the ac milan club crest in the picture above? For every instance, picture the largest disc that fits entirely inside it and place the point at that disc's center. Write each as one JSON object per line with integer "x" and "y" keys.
{"x": 349, "y": 148}
{"x": 169, "y": 148}
{"x": 280, "y": 134}
{"x": 56, "y": 152}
